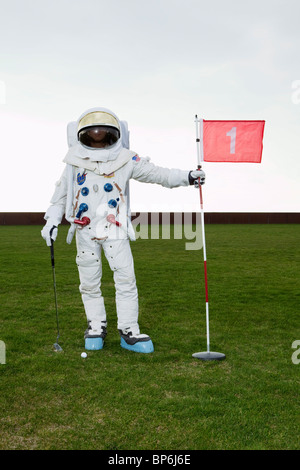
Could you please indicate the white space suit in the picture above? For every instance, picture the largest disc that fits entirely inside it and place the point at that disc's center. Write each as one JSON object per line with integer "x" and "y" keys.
{"x": 93, "y": 193}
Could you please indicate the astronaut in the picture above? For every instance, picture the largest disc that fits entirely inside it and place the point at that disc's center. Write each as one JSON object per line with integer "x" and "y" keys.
{"x": 93, "y": 194}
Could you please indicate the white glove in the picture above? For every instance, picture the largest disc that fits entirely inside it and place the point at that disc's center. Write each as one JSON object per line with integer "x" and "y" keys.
{"x": 49, "y": 232}
{"x": 194, "y": 175}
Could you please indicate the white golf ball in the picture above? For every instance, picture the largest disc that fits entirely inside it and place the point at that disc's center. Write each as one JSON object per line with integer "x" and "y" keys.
{"x": 84, "y": 354}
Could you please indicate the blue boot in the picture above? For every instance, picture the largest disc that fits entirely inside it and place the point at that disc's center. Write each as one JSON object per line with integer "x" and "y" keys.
{"x": 93, "y": 340}
{"x": 94, "y": 343}
{"x": 132, "y": 340}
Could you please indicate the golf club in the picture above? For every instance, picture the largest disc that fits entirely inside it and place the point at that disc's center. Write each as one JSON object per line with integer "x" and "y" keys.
{"x": 56, "y": 346}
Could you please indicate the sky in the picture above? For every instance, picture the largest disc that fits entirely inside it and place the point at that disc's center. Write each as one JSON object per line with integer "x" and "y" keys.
{"x": 156, "y": 65}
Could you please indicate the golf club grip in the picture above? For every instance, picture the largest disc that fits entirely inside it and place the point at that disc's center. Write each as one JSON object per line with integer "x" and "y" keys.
{"x": 52, "y": 252}
{"x": 52, "y": 245}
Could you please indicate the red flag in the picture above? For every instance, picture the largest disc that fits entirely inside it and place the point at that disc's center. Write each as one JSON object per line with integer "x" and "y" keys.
{"x": 233, "y": 141}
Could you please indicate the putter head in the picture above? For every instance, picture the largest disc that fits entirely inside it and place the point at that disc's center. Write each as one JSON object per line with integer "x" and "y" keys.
{"x": 57, "y": 347}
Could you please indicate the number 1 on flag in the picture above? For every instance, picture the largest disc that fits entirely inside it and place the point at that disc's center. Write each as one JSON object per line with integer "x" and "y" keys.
{"x": 245, "y": 145}
{"x": 232, "y": 135}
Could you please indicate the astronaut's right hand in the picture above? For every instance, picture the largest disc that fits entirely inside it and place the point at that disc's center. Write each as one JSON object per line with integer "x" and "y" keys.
{"x": 49, "y": 232}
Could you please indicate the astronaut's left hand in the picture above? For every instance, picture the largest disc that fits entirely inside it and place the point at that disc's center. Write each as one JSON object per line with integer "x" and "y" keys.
{"x": 194, "y": 176}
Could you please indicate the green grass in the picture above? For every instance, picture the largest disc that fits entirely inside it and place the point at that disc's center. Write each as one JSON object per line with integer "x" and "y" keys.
{"x": 116, "y": 399}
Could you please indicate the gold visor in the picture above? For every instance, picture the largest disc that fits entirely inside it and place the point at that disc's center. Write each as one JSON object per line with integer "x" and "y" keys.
{"x": 98, "y": 118}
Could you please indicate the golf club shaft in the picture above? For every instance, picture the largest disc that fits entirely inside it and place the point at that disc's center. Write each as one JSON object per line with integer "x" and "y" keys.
{"x": 54, "y": 285}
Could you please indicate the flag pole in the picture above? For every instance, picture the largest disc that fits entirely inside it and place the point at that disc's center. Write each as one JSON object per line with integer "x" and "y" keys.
{"x": 206, "y": 355}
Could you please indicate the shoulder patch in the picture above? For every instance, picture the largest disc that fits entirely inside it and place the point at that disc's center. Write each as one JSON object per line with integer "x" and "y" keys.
{"x": 136, "y": 158}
